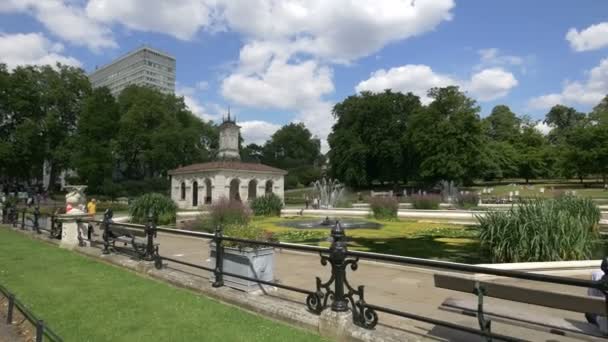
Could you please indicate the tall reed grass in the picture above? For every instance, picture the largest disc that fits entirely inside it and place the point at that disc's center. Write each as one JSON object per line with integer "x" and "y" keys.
{"x": 564, "y": 228}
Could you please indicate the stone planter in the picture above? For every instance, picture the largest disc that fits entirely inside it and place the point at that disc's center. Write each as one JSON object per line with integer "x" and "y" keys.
{"x": 248, "y": 262}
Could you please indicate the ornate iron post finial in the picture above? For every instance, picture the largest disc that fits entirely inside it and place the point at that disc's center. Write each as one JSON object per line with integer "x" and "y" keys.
{"x": 219, "y": 258}
{"x": 151, "y": 253}
{"x": 337, "y": 256}
{"x": 36, "y": 217}
{"x": 107, "y": 219}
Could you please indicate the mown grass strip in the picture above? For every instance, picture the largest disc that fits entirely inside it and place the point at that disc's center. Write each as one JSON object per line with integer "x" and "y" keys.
{"x": 86, "y": 300}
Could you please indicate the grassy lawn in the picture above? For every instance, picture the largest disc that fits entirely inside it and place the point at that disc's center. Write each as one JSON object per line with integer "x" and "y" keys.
{"x": 85, "y": 300}
{"x": 407, "y": 238}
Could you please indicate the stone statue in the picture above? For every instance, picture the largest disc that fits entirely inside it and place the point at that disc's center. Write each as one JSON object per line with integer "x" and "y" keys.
{"x": 75, "y": 200}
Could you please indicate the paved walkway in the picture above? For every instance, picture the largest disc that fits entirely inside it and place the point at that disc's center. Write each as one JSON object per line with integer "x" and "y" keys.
{"x": 408, "y": 289}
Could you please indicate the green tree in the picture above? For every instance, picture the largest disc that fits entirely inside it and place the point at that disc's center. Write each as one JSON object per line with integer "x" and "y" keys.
{"x": 600, "y": 111}
{"x": 64, "y": 89}
{"x": 370, "y": 139}
{"x": 157, "y": 133}
{"x": 97, "y": 128}
{"x": 502, "y": 124}
{"x": 561, "y": 119}
{"x": 532, "y": 150}
{"x": 448, "y": 137}
{"x": 293, "y": 148}
{"x": 252, "y": 153}
{"x": 577, "y": 152}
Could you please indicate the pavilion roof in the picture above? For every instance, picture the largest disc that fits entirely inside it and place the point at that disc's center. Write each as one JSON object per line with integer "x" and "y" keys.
{"x": 228, "y": 166}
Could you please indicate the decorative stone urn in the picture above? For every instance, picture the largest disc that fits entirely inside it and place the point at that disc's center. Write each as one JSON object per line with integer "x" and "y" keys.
{"x": 255, "y": 263}
{"x": 74, "y": 233}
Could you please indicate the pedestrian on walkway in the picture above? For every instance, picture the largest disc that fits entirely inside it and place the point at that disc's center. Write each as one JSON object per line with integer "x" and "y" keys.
{"x": 92, "y": 207}
{"x": 598, "y": 275}
{"x": 91, "y": 210}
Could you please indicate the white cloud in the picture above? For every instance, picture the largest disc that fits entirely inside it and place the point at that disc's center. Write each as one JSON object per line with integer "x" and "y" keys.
{"x": 493, "y": 57}
{"x": 592, "y": 38}
{"x": 486, "y": 85}
{"x": 338, "y": 30}
{"x": 31, "y": 49}
{"x": 415, "y": 78}
{"x": 179, "y": 18}
{"x": 491, "y": 84}
{"x": 588, "y": 92}
{"x": 66, "y": 21}
{"x": 256, "y": 131}
{"x": 544, "y": 101}
{"x": 282, "y": 85}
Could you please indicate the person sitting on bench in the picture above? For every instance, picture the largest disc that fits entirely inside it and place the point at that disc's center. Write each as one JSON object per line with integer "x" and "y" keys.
{"x": 598, "y": 275}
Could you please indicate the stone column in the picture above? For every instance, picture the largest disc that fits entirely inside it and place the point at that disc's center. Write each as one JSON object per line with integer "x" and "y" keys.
{"x": 74, "y": 233}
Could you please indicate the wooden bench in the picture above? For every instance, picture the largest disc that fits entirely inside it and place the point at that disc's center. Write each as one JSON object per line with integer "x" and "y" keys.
{"x": 129, "y": 236}
{"x": 514, "y": 315}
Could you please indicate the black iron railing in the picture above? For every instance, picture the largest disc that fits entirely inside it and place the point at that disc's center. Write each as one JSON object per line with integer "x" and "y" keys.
{"x": 336, "y": 293}
{"x": 28, "y": 218}
{"x": 40, "y": 327}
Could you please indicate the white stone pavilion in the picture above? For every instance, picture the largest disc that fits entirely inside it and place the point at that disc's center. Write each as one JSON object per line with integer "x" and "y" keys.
{"x": 201, "y": 184}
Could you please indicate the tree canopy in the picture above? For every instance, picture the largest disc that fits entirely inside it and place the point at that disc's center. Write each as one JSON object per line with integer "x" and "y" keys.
{"x": 293, "y": 148}
{"x": 369, "y": 140}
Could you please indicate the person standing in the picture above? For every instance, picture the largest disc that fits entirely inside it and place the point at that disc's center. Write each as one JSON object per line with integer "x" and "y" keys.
{"x": 597, "y": 276}
{"x": 92, "y": 207}
{"x": 91, "y": 210}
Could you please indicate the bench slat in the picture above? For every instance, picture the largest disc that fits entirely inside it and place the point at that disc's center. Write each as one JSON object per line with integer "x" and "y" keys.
{"x": 511, "y": 314}
{"x": 525, "y": 295}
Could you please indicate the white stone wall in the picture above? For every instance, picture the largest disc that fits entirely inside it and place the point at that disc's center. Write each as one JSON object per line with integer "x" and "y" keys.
{"x": 220, "y": 186}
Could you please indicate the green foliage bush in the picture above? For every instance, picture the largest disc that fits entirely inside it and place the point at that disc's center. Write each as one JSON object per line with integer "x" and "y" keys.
{"x": 467, "y": 200}
{"x": 225, "y": 212}
{"x": 384, "y": 207}
{"x": 564, "y": 228}
{"x": 115, "y": 206}
{"x": 246, "y": 231}
{"x": 267, "y": 205}
{"x": 10, "y": 201}
{"x": 159, "y": 205}
{"x": 427, "y": 202}
{"x": 302, "y": 236}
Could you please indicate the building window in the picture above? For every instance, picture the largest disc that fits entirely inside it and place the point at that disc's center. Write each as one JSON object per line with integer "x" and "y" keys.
{"x": 183, "y": 191}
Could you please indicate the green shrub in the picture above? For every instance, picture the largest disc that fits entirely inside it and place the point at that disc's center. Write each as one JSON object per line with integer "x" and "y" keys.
{"x": 225, "y": 212}
{"x": 10, "y": 201}
{"x": 246, "y": 231}
{"x": 267, "y": 205}
{"x": 384, "y": 207}
{"x": 467, "y": 200}
{"x": 565, "y": 228}
{"x": 198, "y": 223}
{"x": 427, "y": 202}
{"x": 302, "y": 236}
{"x": 115, "y": 206}
{"x": 159, "y": 205}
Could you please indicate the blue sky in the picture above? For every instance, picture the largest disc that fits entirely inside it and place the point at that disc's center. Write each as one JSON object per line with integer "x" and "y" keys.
{"x": 274, "y": 62}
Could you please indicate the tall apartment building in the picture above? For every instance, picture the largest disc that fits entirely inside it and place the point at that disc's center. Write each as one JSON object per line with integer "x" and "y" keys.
{"x": 144, "y": 66}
